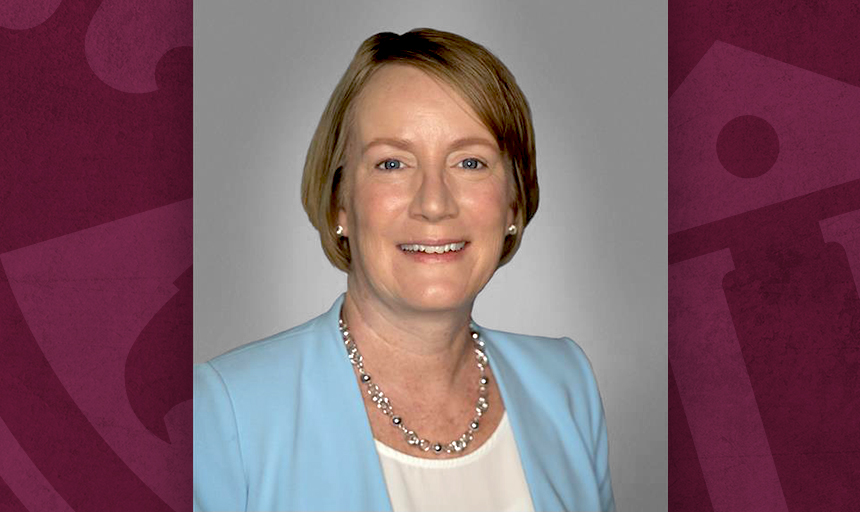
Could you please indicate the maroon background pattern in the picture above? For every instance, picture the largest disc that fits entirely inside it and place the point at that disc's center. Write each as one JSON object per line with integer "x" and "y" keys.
{"x": 95, "y": 255}
{"x": 764, "y": 256}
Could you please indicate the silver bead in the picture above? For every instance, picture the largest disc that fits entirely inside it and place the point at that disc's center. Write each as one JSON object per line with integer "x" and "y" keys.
{"x": 365, "y": 378}
{"x": 396, "y": 420}
{"x": 474, "y": 425}
{"x": 437, "y": 447}
{"x": 484, "y": 381}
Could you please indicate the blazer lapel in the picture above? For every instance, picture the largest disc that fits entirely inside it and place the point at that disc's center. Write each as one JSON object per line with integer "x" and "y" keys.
{"x": 354, "y": 472}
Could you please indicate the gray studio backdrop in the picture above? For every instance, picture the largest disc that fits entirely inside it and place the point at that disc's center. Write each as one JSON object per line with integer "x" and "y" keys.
{"x": 593, "y": 261}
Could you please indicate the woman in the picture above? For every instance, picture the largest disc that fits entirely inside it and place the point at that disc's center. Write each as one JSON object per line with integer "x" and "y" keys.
{"x": 420, "y": 179}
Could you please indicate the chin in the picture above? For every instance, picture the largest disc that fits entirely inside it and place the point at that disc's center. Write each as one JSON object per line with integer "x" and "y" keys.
{"x": 439, "y": 298}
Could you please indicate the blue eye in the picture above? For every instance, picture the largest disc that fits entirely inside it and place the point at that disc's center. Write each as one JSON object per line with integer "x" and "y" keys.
{"x": 472, "y": 164}
{"x": 390, "y": 165}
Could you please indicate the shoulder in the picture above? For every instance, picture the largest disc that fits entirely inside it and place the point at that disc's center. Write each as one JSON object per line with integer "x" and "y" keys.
{"x": 552, "y": 370}
{"x": 239, "y": 404}
{"x": 272, "y": 351}
{"x": 559, "y": 359}
{"x": 258, "y": 371}
{"x": 254, "y": 391}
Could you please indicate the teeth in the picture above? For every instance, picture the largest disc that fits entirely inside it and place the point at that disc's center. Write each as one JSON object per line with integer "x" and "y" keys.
{"x": 433, "y": 249}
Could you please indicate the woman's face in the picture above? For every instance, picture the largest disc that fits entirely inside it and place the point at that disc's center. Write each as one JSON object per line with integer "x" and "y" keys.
{"x": 428, "y": 196}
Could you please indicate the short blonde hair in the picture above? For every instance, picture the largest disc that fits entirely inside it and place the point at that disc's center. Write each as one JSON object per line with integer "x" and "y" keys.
{"x": 483, "y": 81}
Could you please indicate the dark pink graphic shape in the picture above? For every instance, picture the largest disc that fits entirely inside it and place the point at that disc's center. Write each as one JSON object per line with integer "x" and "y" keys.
{"x": 52, "y": 430}
{"x": 845, "y": 230}
{"x": 156, "y": 370}
{"x": 687, "y": 489}
{"x": 126, "y": 39}
{"x": 821, "y": 37}
{"x": 814, "y": 119}
{"x": 24, "y": 478}
{"x": 793, "y": 302}
{"x": 24, "y": 14}
{"x": 747, "y": 146}
{"x": 714, "y": 387}
{"x": 8, "y": 501}
{"x": 86, "y": 297}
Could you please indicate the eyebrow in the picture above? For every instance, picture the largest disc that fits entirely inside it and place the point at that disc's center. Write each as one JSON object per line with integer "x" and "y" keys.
{"x": 406, "y": 144}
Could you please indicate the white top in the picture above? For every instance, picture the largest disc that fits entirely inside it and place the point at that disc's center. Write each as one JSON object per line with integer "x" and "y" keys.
{"x": 489, "y": 479}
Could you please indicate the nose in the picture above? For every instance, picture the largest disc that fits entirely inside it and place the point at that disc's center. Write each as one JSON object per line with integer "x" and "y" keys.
{"x": 434, "y": 200}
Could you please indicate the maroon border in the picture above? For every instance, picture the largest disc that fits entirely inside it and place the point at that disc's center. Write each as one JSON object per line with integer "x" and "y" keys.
{"x": 96, "y": 173}
{"x": 764, "y": 314}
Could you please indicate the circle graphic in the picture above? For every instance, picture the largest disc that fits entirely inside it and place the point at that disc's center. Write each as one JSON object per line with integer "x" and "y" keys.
{"x": 748, "y": 146}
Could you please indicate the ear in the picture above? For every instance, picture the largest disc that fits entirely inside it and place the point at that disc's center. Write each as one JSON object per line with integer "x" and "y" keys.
{"x": 512, "y": 199}
{"x": 512, "y": 215}
{"x": 343, "y": 220}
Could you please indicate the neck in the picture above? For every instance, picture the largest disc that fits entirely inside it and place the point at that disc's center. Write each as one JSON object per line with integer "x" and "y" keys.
{"x": 430, "y": 352}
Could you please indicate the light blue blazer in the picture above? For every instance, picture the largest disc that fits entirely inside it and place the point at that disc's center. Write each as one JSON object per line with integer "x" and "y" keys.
{"x": 279, "y": 424}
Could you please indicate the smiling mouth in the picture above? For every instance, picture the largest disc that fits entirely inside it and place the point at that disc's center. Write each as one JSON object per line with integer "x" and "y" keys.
{"x": 433, "y": 249}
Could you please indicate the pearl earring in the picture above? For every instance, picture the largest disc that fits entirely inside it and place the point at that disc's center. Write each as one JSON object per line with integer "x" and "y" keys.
{"x": 512, "y": 230}
{"x": 339, "y": 230}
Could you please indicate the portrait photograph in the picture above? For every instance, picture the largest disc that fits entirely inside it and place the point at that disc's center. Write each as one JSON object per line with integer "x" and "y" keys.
{"x": 429, "y": 256}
